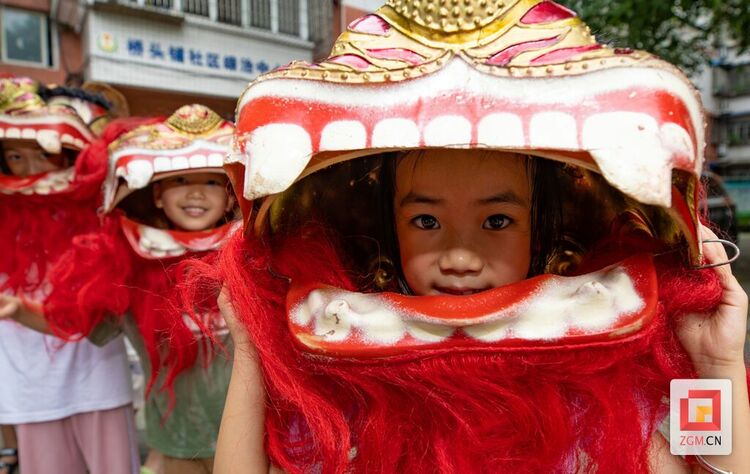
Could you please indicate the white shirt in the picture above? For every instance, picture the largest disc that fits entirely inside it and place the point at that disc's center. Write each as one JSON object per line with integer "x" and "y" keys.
{"x": 43, "y": 378}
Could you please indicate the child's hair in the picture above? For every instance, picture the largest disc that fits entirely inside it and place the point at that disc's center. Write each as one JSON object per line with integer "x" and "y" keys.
{"x": 546, "y": 211}
{"x": 4, "y": 169}
{"x": 47, "y": 93}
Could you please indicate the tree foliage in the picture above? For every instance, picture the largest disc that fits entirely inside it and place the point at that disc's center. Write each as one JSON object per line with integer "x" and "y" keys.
{"x": 688, "y": 33}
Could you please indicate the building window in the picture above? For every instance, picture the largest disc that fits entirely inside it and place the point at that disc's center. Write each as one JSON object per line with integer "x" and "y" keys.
{"x": 732, "y": 80}
{"x": 739, "y": 80}
{"x": 166, "y": 4}
{"x": 739, "y": 131}
{"x": 195, "y": 7}
{"x": 260, "y": 14}
{"x": 289, "y": 17}
{"x": 230, "y": 12}
{"x": 25, "y": 37}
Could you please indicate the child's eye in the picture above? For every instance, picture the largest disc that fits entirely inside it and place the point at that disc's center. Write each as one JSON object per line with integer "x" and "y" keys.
{"x": 213, "y": 182}
{"x": 13, "y": 157}
{"x": 496, "y": 222}
{"x": 426, "y": 222}
{"x": 181, "y": 180}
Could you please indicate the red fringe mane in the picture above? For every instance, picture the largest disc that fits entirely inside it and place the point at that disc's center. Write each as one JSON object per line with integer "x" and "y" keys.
{"x": 102, "y": 278}
{"x": 37, "y": 229}
{"x": 533, "y": 410}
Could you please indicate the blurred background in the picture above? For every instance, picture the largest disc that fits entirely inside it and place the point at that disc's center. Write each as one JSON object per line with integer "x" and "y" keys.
{"x": 161, "y": 54}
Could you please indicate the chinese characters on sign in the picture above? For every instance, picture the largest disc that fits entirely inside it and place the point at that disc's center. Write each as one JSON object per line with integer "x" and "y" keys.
{"x": 179, "y": 55}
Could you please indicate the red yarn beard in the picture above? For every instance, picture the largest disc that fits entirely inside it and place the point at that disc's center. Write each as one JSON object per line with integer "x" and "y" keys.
{"x": 594, "y": 406}
{"x": 35, "y": 230}
{"x": 101, "y": 278}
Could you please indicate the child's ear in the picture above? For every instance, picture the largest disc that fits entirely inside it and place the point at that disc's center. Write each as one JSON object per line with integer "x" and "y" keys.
{"x": 157, "y": 196}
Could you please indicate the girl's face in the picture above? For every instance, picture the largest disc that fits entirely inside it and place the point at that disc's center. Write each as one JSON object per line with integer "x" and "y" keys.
{"x": 193, "y": 202}
{"x": 25, "y": 158}
{"x": 462, "y": 220}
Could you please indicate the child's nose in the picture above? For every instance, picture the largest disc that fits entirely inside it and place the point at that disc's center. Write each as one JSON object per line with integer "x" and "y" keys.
{"x": 195, "y": 191}
{"x": 460, "y": 260}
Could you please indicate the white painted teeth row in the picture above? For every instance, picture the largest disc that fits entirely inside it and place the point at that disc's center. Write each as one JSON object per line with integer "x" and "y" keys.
{"x": 158, "y": 243}
{"x": 634, "y": 151}
{"x": 138, "y": 173}
{"x": 44, "y": 135}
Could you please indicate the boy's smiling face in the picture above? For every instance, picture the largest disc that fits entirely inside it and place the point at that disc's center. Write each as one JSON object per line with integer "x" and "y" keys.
{"x": 462, "y": 220}
{"x": 25, "y": 158}
{"x": 193, "y": 202}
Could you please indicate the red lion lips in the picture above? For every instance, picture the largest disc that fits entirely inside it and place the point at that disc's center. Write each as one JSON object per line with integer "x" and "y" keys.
{"x": 548, "y": 310}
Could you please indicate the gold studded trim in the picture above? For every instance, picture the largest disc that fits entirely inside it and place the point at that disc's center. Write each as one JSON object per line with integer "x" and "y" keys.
{"x": 602, "y": 59}
{"x": 346, "y": 75}
{"x": 451, "y": 16}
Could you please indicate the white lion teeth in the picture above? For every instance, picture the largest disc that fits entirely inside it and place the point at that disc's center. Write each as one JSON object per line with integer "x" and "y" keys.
{"x": 198, "y": 161}
{"x": 162, "y": 164}
{"x": 594, "y": 303}
{"x": 677, "y": 140}
{"x": 628, "y": 148}
{"x": 215, "y": 160}
{"x": 553, "y": 130}
{"x": 448, "y": 130}
{"x": 631, "y": 150}
{"x": 266, "y": 174}
{"x": 158, "y": 243}
{"x": 42, "y": 188}
{"x": 49, "y": 140}
{"x": 59, "y": 186}
{"x": 395, "y": 133}
{"x": 180, "y": 163}
{"x": 502, "y": 130}
{"x": 138, "y": 174}
{"x": 343, "y": 135}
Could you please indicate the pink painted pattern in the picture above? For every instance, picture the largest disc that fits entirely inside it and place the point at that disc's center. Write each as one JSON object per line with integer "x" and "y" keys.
{"x": 547, "y": 12}
{"x": 400, "y": 54}
{"x": 508, "y": 54}
{"x": 351, "y": 60}
{"x": 563, "y": 54}
{"x": 370, "y": 24}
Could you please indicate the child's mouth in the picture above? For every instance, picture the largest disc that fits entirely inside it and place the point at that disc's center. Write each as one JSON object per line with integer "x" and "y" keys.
{"x": 459, "y": 291}
{"x": 194, "y": 211}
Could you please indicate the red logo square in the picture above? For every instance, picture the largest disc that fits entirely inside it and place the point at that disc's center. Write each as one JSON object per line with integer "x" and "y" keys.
{"x": 714, "y": 410}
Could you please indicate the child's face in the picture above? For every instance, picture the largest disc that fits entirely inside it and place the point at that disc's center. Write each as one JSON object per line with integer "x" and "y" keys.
{"x": 25, "y": 158}
{"x": 193, "y": 202}
{"x": 462, "y": 220}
